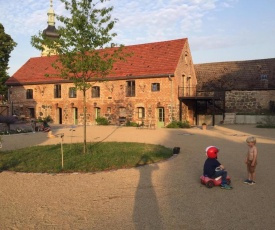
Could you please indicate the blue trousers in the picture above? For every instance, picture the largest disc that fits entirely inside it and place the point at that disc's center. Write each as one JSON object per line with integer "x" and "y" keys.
{"x": 223, "y": 174}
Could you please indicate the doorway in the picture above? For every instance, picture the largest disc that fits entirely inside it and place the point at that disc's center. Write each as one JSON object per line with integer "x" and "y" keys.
{"x": 97, "y": 113}
{"x": 31, "y": 112}
{"x": 160, "y": 115}
{"x": 59, "y": 115}
{"x": 75, "y": 116}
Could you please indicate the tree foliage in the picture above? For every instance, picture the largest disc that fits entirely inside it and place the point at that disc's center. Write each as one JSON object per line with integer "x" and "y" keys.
{"x": 83, "y": 48}
{"x": 85, "y": 51}
{"x": 6, "y": 46}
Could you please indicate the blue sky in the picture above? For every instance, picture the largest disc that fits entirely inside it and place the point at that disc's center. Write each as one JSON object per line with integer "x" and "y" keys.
{"x": 217, "y": 30}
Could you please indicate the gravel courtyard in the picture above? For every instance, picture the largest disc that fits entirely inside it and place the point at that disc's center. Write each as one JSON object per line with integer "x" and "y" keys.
{"x": 166, "y": 195}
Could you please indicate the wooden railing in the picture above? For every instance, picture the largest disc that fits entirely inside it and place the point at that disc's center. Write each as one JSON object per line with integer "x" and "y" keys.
{"x": 193, "y": 92}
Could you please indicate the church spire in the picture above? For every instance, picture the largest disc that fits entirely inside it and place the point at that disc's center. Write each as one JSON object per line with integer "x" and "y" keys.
{"x": 51, "y": 15}
{"x": 50, "y": 32}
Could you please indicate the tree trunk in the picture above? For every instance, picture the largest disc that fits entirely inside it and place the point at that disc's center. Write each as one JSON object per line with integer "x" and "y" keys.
{"x": 84, "y": 121}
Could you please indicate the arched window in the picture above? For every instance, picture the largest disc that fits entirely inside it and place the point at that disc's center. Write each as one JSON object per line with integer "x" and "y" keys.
{"x": 141, "y": 112}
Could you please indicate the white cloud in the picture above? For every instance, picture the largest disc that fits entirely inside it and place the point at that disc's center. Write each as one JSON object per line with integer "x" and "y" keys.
{"x": 139, "y": 18}
{"x": 141, "y": 21}
{"x": 148, "y": 20}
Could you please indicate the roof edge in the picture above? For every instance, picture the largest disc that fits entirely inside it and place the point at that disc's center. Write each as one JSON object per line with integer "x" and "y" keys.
{"x": 103, "y": 79}
{"x": 223, "y": 62}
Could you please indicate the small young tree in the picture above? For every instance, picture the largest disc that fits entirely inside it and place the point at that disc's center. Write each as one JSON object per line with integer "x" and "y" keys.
{"x": 84, "y": 48}
{"x": 6, "y": 46}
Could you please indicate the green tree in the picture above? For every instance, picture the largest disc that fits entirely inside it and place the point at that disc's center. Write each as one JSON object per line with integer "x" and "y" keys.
{"x": 85, "y": 51}
{"x": 6, "y": 46}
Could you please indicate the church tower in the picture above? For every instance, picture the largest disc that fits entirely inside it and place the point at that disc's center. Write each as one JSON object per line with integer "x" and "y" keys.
{"x": 50, "y": 31}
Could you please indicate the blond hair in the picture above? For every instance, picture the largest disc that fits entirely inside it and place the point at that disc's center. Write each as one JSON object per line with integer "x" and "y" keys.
{"x": 251, "y": 140}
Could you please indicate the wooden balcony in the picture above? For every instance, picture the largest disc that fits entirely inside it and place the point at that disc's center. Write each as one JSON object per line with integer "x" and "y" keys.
{"x": 193, "y": 93}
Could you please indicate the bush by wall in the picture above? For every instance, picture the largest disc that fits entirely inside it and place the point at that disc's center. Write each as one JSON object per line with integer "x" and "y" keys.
{"x": 179, "y": 124}
{"x": 132, "y": 124}
{"x": 102, "y": 121}
{"x": 267, "y": 122}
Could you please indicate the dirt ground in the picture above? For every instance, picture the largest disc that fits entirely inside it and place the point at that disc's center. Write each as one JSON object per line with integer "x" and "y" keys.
{"x": 166, "y": 195}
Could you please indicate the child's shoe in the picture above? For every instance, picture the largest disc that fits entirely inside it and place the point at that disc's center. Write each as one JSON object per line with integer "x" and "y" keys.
{"x": 252, "y": 182}
{"x": 226, "y": 186}
{"x": 247, "y": 181}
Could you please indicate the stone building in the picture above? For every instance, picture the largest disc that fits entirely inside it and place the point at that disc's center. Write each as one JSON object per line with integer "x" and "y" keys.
{"x": 142, "y": 89}
{"x": 244, "y": 86}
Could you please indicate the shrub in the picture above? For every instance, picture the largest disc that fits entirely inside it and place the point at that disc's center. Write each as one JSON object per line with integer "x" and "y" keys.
{"x": 184, "y": 124}
{"x": 46, "y": 119}
{"x": 179, "y": 124}
{"x": 102, "y": 121}
{"x": 8, "y": 120}
{"x": 132, "y": 124}
{"x": 268, "y": 122}
{"x": 172, "y": 125}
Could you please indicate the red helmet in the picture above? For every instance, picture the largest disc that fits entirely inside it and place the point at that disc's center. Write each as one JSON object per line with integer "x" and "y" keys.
{"x": 212, "y": 152}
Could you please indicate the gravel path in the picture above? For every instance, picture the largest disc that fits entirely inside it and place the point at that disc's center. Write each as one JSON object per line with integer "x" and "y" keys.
{"x": 165, "y": 195}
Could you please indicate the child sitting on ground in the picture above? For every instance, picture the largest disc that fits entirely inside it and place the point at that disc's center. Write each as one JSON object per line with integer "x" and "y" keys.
{"x": 213, "y": 168}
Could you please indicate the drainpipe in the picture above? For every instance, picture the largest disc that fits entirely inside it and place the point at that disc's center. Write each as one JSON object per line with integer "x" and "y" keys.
{"x": 172, "y": 101}
{"x": 10, "y": 101}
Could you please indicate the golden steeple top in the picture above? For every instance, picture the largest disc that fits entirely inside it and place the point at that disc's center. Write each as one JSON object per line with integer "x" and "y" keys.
{"x": 50, "y": 32}
{"x": 51, "y": 14}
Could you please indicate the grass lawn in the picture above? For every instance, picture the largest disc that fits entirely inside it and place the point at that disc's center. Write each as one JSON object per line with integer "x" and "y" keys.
{"x": 100, "y": 156}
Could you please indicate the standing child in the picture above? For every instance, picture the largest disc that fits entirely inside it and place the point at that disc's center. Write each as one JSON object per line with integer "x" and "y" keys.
{"x": 251, "y": 160}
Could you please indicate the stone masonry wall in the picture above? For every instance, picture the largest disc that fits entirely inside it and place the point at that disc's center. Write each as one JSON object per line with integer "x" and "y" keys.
{"x": 112, "y": 99}
{"x": 248, "y": 101}
{"x": 185, "y": 77}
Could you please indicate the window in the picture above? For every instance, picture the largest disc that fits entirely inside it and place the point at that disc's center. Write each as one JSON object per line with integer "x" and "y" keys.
{"x": 186, "y": 58}
{"x": 130, "y": 89}
{"x": 57, "y": 91}
{"x": 72, "y": 92}
{"x": 155, "y": 87}
{"x": 264, "y": 77}
{"x": 29, "y": 94}
{"x": 31, "y": 112}
{"x": 141, "y": 112}
{"x": 95, "y": 91}
{"x": 122, "y": 112}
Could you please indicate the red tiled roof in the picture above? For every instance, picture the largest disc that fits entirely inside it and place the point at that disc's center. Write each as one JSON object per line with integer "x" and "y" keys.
{"x": 151, "y": 59}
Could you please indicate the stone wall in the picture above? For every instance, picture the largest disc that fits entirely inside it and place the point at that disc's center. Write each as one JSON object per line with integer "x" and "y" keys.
{"x": 112, "y": 99}
{"x": 248, "y": 101}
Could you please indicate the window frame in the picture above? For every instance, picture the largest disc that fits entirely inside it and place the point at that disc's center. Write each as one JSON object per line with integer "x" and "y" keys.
{"x": 264, "y": 77}
{"x": 95, "y": 92}
{"x": 122, "y": 111}
{"x": 57, "y": 91}
{"x": 141, "y": 112}
{"x": 72, "y": 92}
{"x": 29, "y": 94}
{"x": 130, "y": 88}
{"x": 155, "y": 87}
